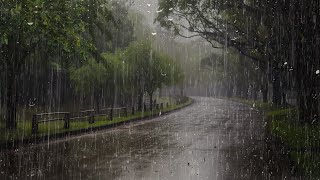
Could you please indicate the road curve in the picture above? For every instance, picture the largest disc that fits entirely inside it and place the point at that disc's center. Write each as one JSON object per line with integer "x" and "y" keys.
{"x": 211, "y": 139}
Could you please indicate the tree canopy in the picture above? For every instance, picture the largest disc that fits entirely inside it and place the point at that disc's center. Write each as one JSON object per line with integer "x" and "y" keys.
{"x": 280, "y": 36}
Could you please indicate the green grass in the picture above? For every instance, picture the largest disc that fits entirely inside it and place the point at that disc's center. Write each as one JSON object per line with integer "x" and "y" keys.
{"x": 296, "y": 136}
{"x": 23, "y": 130}
{"x": 301, "y": 139}
{"x": 307, "y": 163}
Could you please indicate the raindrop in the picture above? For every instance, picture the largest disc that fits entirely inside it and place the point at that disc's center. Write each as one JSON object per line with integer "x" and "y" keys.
{"x": 317, "y": 71}
{"x": 30, "y": 23}
{"x": 153, "y": 34}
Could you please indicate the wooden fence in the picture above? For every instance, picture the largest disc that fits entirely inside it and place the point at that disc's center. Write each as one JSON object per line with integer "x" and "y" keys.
{"x": 89, "y": 115}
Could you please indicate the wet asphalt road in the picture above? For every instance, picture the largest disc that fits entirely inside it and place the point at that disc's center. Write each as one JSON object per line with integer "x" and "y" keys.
{"x": 211, "y": 139}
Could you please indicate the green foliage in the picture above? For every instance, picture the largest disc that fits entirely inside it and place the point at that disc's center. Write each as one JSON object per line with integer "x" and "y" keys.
{"x": 303, "y": 140}
{"x": 111, "y": 27}
{"x": 28, "y": 23}
{"x": 141, "y": 29}
{"x": 89, "y": 77}
{"x": 151, "y": 69}
{"x": 48, "y": 43}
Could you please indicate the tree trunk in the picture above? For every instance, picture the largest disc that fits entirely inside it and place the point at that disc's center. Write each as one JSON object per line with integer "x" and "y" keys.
{"x": 181, "y": 90}
{"x": 140, "y": 101}
{"x": 284, "y": 99}
{"x": 12, "y": 98}
{"x": 229, "y": 89}
{"x": 13, "y": 64}
{"x": 254, "y": 92}
{"x": 151, "y": 100}
{"x": 265, "y": 93}
{"x": 276, "y": 98}
{"x": 97, "y": 100}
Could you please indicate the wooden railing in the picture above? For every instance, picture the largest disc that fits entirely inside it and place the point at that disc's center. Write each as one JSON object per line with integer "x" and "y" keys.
{"x": 89, "y": 115}
{"x": 82, "y": 115}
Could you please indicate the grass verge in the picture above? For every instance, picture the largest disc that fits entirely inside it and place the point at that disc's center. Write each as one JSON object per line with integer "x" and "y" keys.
{"x": 302, "y": 141}
{"x": 23, "y": 130}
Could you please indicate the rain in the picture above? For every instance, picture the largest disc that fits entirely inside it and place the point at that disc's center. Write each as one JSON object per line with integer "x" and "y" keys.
{"x": 159, "y": 89}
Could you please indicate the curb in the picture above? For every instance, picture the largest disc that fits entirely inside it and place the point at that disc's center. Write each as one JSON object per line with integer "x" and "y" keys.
{"x": 65, "y": 135}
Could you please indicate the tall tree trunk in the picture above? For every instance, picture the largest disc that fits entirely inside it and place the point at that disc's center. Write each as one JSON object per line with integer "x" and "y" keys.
{"x": 254, "y": 92}
{"x": 284, "y": 98}
{"x": 276, "y": 98}
{"x": 181, "y": 90}
{"x": 151, "y": 100}
{"x": 229, "y": 89}
{"x": 97, "y": 98}
{"x": 265, "y": 93}
{"x": 12, "y": 74}
{"x": 140, "y": 101}
{"x": 12, "y": 100}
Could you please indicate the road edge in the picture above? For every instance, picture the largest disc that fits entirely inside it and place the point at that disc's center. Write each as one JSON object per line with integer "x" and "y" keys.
{"x": 65, "y": 135}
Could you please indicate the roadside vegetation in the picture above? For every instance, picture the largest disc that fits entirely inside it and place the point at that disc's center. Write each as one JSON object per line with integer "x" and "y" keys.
{"x": 300, "y": 141}
{"x": 70, "y": 56}
{"x": 57, "y": 127}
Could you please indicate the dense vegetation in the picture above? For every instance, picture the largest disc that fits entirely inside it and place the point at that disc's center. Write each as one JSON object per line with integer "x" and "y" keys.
{"x": 75, "y": 54}
{"x": 281, "y": 39}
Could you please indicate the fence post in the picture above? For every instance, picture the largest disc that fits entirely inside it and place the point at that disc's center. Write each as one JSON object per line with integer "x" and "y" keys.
{"x": 132, "y": 112}
{"x": 91, "y": 118}
{"x": 161, "y": 105}
{"x": 157, "y": 106}
{"x": 67, "y": 121}
{"x": 34, "y": 129}
{"x": 167, "y": 104}
{"x": 126, "y": 112}
{"x": 111, "y": 114}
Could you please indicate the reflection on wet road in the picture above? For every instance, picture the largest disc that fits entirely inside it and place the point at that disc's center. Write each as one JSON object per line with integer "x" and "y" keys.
{"x": 211, "y": 139}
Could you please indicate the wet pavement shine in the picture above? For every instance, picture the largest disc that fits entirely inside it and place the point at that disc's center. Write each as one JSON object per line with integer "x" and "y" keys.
{"x": 212, "y": 139}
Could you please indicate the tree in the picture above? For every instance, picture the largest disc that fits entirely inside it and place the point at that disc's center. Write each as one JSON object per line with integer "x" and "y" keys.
{"x": 233, "y": 74}
{"x": 27, "y": 24}
{"x": 150, "y": 70}
{"x": 90, "y": 80}
{"x": 279, "y": 35}
{"x": 110, "y": 25}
